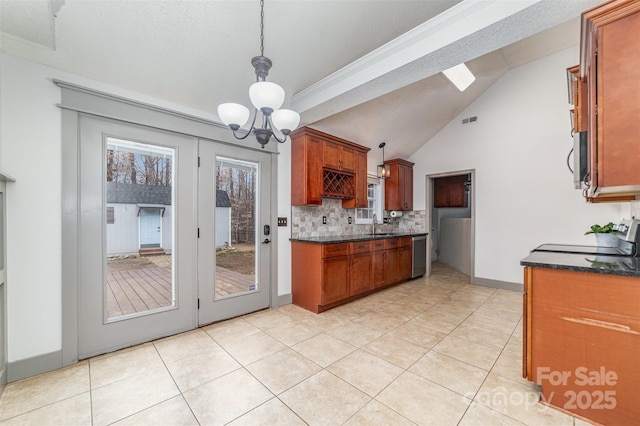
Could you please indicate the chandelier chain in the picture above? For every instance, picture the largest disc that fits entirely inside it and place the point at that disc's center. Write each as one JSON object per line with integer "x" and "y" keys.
{"x": 261, "y": 27}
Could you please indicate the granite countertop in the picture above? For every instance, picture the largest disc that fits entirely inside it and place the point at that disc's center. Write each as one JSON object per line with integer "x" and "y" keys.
{"x": 612, "y": 265}
{"x": 348, "y": 238}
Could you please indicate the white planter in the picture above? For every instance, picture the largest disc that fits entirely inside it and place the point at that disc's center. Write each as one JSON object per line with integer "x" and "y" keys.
{"x": 606, "y": 240}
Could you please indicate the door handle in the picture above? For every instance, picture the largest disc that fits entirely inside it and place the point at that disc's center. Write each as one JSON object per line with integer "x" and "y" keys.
{"x": 266, "y": 241}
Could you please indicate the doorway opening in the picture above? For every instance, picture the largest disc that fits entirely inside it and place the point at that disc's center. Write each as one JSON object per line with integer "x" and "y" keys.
{"x": 451, "y": 219}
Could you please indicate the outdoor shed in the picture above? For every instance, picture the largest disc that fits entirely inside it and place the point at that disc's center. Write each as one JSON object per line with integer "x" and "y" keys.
{"x": 138, "y": 217}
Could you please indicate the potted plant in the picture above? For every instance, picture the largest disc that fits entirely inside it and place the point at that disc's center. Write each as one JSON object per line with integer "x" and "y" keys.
{"x": 605, "y": 235}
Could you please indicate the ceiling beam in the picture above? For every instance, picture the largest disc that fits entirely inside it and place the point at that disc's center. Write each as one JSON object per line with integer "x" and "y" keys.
{"x": 461, "y": 33}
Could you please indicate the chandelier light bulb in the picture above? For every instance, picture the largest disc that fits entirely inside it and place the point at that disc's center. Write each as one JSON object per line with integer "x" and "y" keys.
{"x": 266, "y": 96}
{"x": 233, "y": 115}
{"x": 285, "y": 120}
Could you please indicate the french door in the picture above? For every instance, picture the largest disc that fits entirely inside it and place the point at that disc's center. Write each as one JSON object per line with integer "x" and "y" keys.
{"x": 136, "y": 283}
{"x": 234, "y": 243}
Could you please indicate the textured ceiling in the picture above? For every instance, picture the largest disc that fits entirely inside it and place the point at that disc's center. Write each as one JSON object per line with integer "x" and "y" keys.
{"x": 197, "y": 53}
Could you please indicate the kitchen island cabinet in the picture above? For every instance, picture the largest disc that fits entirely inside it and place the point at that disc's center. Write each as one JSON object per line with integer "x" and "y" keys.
{"x": 581, "y": 335}
{"x": 327, "y": 275}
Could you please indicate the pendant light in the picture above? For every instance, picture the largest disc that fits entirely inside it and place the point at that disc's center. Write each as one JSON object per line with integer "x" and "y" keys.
{"x": 384, "y": 170}
{"x": 266, "y": 98}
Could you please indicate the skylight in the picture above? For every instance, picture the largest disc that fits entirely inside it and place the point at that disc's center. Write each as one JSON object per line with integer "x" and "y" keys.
{"x": 460, "y": 76}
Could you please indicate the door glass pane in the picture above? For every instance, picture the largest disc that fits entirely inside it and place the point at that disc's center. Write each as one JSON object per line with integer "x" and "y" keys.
{"x": 139, "y": 228}
{"x": 235, "y": 227}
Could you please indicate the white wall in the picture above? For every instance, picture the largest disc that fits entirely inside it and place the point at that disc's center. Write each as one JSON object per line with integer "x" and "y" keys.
{"x": 518, "y": 147}
{"x": 31, "y": 153}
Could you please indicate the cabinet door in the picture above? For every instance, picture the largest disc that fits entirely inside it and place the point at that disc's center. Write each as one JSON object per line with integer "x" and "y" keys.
{"x": 359, "y": 273}
{"x": 392, "y": 189}
{"x": 392, "y": 265}
{"x": 335, "y": 279}
{"x": 457, "y": 196}
{"x": 306, "y": 171}
{"x": 578, "y": 98}
{"x": 331, "y": 155}
{"x": 348, "y": 159}
{"x": 440, "y": 193}
{"x": 378, "y": 268}
{"x": 360, "y": 200}
{"x": 618, "y": 102}
{"x": 398, "y": 189}
{"x": 449, "y": 191}
{"x": 406, "y": 187}
{"x": 404, "y": 263}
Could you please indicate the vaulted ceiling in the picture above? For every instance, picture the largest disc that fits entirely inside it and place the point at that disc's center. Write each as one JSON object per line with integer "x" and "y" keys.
{"x": 367, "y": 71}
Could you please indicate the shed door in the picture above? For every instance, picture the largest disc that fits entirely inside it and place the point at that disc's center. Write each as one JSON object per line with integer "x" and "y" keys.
{"x": 149, "y": 227}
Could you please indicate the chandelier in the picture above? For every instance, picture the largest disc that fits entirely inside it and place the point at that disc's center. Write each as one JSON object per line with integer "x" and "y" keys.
{"x": 267, "y": 98}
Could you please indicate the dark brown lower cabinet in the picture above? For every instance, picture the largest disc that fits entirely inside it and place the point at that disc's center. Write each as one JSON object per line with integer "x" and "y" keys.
{"x": 359, "y": 273}
{"x": 327, "y": 275}
{"x": 335, "y": 271}
{"x": 405, "y": 263}
{"x": 377, "y": 268}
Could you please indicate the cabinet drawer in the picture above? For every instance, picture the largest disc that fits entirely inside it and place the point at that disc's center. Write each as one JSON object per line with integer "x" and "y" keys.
{"x": 391, "y": 243}
{"x": 397, "y": 242}
{"x": 331, "y": 250}
{"x": 359, "y": 247}
{"x": 377, "y": 245}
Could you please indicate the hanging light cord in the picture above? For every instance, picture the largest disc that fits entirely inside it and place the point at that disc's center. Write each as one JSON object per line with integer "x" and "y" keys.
{"x": 261, "y": 27}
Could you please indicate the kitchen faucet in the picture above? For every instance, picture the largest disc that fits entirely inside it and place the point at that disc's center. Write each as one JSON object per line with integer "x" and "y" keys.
{"x": 373, "y": 223}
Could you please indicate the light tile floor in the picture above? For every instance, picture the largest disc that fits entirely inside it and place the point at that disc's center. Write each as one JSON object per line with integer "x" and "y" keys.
{"x": 434, "y": 351}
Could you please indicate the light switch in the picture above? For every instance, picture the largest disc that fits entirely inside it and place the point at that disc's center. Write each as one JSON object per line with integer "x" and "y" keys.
{"x": 282, "y": 221}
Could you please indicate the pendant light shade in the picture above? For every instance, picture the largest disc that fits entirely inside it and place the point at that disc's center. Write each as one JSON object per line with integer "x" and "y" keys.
{"x": 233, "y": 115}
{"x": 267, "y": 96}
{"x": 384, "y": 170}
{"x": 285, "y": 120}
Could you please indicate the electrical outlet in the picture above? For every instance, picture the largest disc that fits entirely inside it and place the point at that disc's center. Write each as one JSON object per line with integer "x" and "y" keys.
{"x": 324, "y": 220}
{"x": 350, "y": 220}
{"x": 385, "y": 220}
{"x": 282, "y": 221}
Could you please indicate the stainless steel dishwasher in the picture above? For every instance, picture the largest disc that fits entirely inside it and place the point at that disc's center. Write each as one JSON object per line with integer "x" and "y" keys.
{"x": 419, "y": 255}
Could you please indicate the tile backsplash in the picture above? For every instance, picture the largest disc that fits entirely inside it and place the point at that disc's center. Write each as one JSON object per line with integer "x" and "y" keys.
{"x": 306, "y": 222}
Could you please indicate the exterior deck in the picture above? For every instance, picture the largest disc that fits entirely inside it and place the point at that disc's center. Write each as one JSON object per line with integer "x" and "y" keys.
{"x": 150, "y": 287}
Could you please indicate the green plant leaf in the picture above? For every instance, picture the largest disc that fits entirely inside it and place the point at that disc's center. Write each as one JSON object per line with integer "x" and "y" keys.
{"x": 597, "y": 229}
